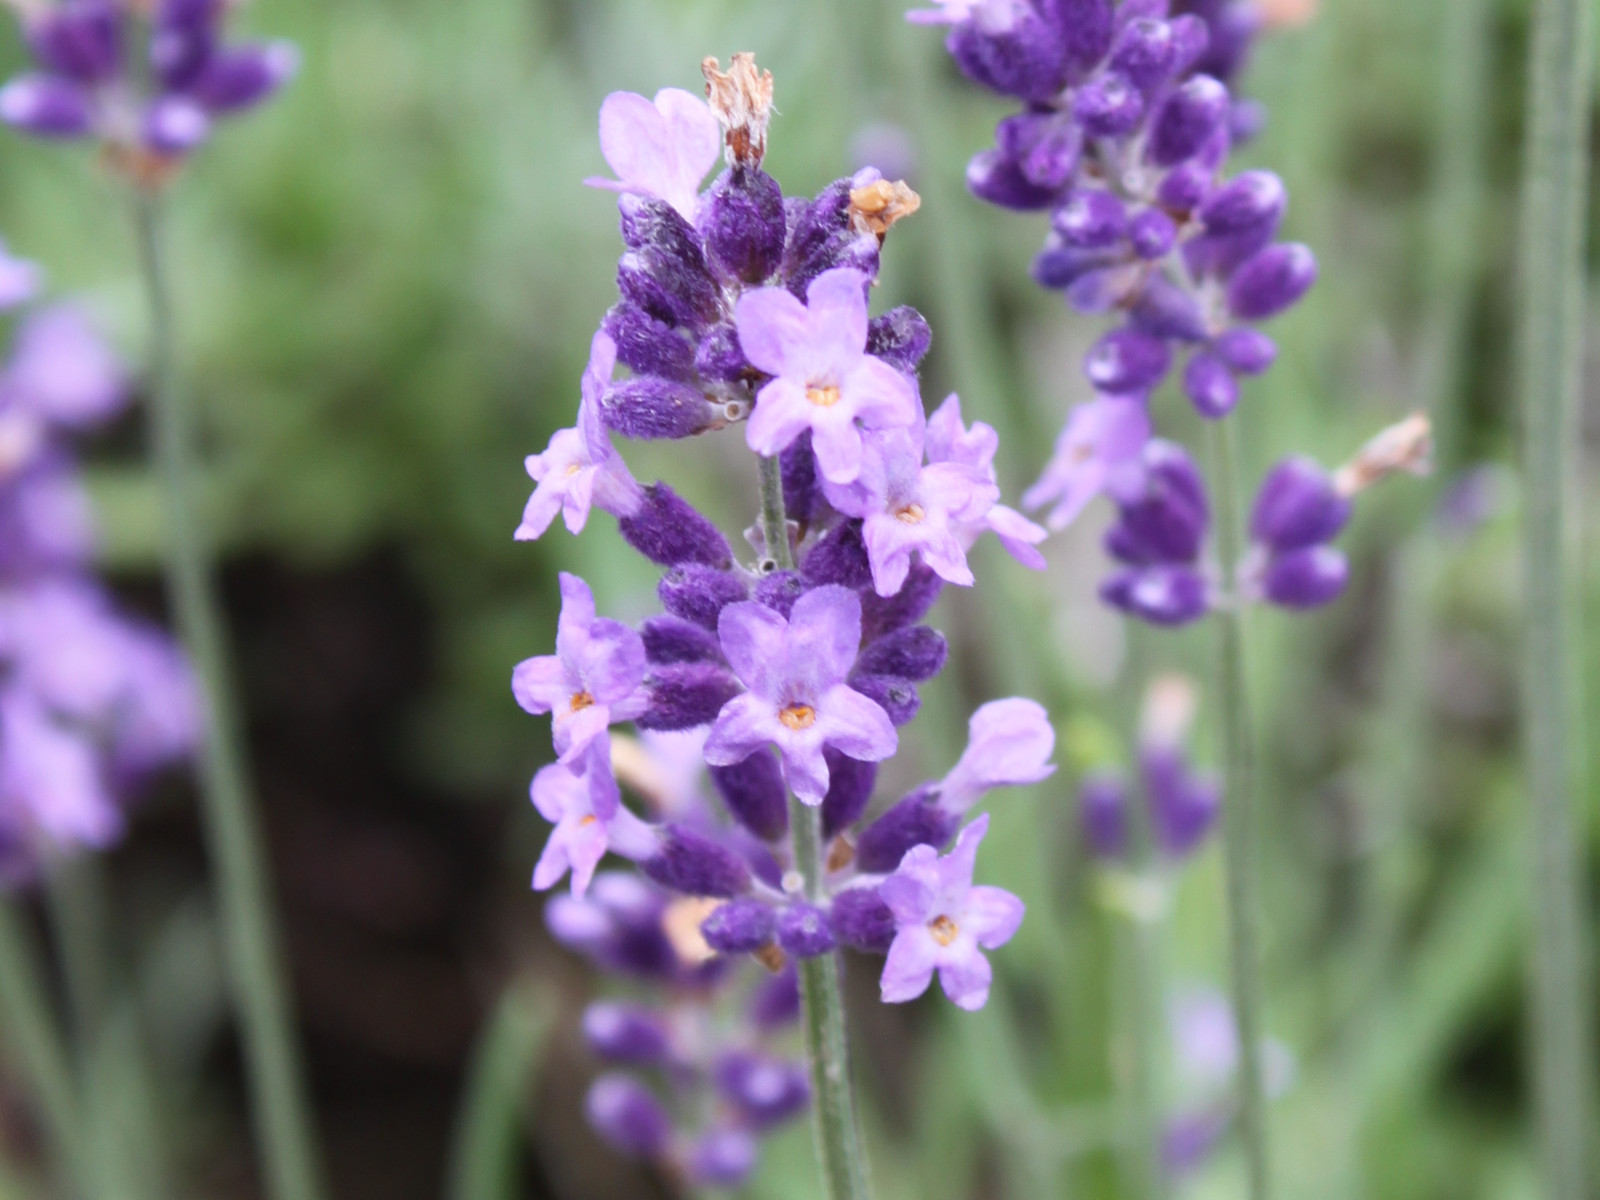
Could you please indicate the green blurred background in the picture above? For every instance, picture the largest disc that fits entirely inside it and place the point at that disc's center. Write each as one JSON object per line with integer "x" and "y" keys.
{"x": 387, "y": 286}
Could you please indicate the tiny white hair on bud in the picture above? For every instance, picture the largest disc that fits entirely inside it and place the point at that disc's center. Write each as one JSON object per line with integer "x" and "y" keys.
{"x": 1405, "y": 446}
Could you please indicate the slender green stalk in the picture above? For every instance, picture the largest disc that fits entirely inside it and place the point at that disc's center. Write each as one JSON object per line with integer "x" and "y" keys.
{"x": 1550, "y": 346}
{"x": 838, "y": 1132}
{"x": 483, "y": 1161}
{"x": 233, "y": 833}
{"x": 30, "y": 1028}
{"x": 1239, "y": 815}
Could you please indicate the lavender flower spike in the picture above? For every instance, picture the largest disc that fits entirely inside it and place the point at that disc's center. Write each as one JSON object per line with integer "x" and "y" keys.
{"x": 588, "y": 821}
{"x": 579, "y": 468}
{"x": 825, "y": 380}
{"x": 1101, "y": 438}
{"x": 661, "y": 148}
{"x": 594, "y": 679}
{"x": 944, "y": 923}
{"x": 798, "y": 699}
{"x": 950, "y": 441}
{"x": 1009, "y": 745}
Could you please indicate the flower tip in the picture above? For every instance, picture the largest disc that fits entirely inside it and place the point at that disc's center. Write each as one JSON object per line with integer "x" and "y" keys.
{"x": 1406, "y": 446}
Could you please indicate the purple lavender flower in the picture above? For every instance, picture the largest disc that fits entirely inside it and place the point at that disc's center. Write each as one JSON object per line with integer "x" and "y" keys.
{"x": 798, "y": 700}
{"x": 948, "y": 440}
{"x": 588, "y": 819}
{"x": 580, "y": 468}
{"x": 595, "y": 677}
{"x": 943, "y": 923}
{"x": 662, "y": 148}
{"x": 19, "y": 280}
{"x": 824, "y": 381}
{"x": 1101, "y": 439}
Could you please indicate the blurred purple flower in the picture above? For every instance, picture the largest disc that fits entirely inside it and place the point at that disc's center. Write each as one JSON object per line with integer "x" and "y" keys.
{"x": 661, "y": 148}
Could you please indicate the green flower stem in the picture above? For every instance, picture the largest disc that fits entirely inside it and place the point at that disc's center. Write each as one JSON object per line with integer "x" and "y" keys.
{"x": 233, "y": 832}
{"x": 1239, "y": 810}
{"x": 1550, "y": 349}
{"x": 838, "y": 1132}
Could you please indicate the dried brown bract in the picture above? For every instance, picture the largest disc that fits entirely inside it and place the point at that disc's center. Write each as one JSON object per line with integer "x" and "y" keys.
{"x": 875, "y": 208}
{"x": 741, "y": 98}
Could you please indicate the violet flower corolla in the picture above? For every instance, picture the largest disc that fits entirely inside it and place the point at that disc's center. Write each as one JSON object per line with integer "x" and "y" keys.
{"x": 789, "y": 672}
{"x": 93, "y": 701}
{"x": 147, "y": 82}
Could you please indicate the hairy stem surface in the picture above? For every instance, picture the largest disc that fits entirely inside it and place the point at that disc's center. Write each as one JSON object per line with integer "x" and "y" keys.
{"x": 233, "y": 833}
{"x": 842, "y": 1157}
{"x": 1550, "y": 357}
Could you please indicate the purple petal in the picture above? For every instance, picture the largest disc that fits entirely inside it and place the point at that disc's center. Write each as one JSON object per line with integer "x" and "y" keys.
{"x": 611, "y": 663}
{"x": 557, "y": 792}
{"x": 837, "y": 304}
{"x": 965, "y": 976}
{"x": 912, "y": 891}
{"x": 1018, "y": 535}
{"x": 782, "y": 413}
{"x": 754, "y": 641}
{"x": 880, "y": 396}
{"x": 746, "y": 724}
{"x": 823, "y": 636}
{"x": 1009, "y": 744}
{"x": 63, "y": 370}
{"x": 774, "y": 331}
{"x": 805, "y": 769}
{"x": 661, "y": 149}
{"x": 239, "y": 77}
{"x": 856, "y": 726}
{"x": 540, "y": 684}
{"x": 175, "y": 125}
{"x": 836, "y": 441}
{"x": 993, "y": 916}
{"x": 908, "y": 970}
{"x": 47, "y": 106}
{"x": 955, "y": 868}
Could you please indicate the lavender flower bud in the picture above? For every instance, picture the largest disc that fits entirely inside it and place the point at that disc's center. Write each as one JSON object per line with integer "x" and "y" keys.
{"x": 1152, "y": 234}
{"x": 696, "y": 866}
{"x": 1167, "y": 521}
{"x": 814, "y": 225}
{"x": 1183, "y": 808}
{"x": 754, "y": 794}
{"x": 1246, "y": 351}
{"x": 669, "y": 532}
{"x": 664, "y": 291}
{"x": 850, "y": 784}
{"x": 861, "y": 920}
{"x": 1022, "y": 57}
{"x": 699, "y": 593}
{"x": 1298, "y": 506}
{"x": 778, "y": 591}
{"x": 239, "y": 77}
{"x": 1086, "y": 27}
{"x": 885, "y": 614}
{"x": 1188, "y": 119}
{"x": 650, "y": 406}
{"x": 1167, "y": 311}
{"x": 1091, "y": 219}
{"x": 628, "y": 1116}
{"x": 916, "y": 653}
{"x": 1103, "y": 815}
{"x": 1210, "y": 386}
{"x": 1306, "y": 578}
{"x": 739, "y": 927}
{"x": 82, "y": 41}
{"x": 1109, "y": 107}
{"x": 674, "y": 640}
{"x": 1250, "y": 205}
{"x": 1127, "y": 362}
{"x": 1190, "y": 37}
{"x": 998, "y": 179}
{"x": 918, "y": 820}
{"x": 803, "y": 931}
{"x": 766, "y": 1091}
{"x": 647, "y": 346}
{"x": 719, "y": 355}
{"x": 46, "y": 106}
{"x": 895, "y": 696}
{"x": 1185, "y": 188}
{"x": 1058, "y": 266}
{"x": 175, "y": 125}
{"x": 1045, "y": 146}
{"x": 686, "y": 696}
{"x": 1144, "y": 52}
{"x": 1271, "y": 281}
{"x": 776, "y": 1001}
{"x": 802, "y": 491}
{"x": 744, "y": 223}
{"x": 900, "y": 337}
{"x": 1162, "y": 595}
{"x": 840, "y": 557}
{"x": 624, "y": 1033}
{"x": 722, "y": 1158}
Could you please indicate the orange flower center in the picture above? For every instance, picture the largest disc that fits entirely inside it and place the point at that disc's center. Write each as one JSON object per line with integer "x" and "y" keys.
{"x": 587, "y": 821}
{"x": 573, "y": 469}
{"x": 580, "y": 701}
{"x": 944, "y": 930}
{"x": 911, "y": 514}
{"x": 823, "y": 397}
{"x": 798, "y": 716}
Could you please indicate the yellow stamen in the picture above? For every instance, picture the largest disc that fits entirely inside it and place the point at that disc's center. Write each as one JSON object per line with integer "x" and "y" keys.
{"x": 823, "y": 397}
{"x": 911, "y": 514}
{"x": 944, "y": 930}
{"x": 798, "y": 716}
{"x": 580, "y": 701}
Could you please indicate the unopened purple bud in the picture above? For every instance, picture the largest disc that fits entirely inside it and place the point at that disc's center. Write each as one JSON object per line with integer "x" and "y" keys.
{"x": 850, "y": 784}
{"x": 1127, "y": 362}
{"x": 1183, "y": 806}
{"x": 1144, "y": 52}
{"x": 649, "y": 406}
{"x": 699, "y": 593}
{"x": 1167, "y": 521}
{"x": 1015, "y": 55}
{"x": 1188, "y": 119}
{"x": 1298, "y": 506}
{"x": 696, "y": 866}
{"x": 1110, "y": 107}
{"x": 686, "y": 695}
{"x": 779, "y": 591}
{"x": 240, "y": 76}
{"x": 1152, "y": 234}
{"x": 722, "y": 1158}
{"x": 901, "y": 338}
{"x": 1103, "y": 815}
{"x": 1271, "y": 281}
{"x": 647, "y": 346}
{"x": 625, "y": 1033}
{"x": 1210, "y": 386}
{"x": 1306, "y": 578}
{"x": 46, "y": 106}
{"x": 744, "y": 223}
{"x": 1167, "y": 310}
{"x": 1086, "y": 27}
{"x": 669, "y": 532}
{"x": 1045, "y": 146}
{"x": 840, "y": 557}
{"x": 994, "y": 177}
{"x": 82, "y": 40}
{"x": 1251, "y": 204}
{"x": 861, "y": 920}
{"x": 917, "y": 653}
{"x": 895, "y": 696}
{"x": 176, "y": 125}
{"x": 918, "y": 820}
{"x": 1162, "y": 595}
{"x": 767, "y": 1091}
{"x": 1060, "y": 266}
{"x": 739, "y": 927}
{"x": 628, "y": 1116}
{"x": 885, "y": 614}
{"x": 1190, "y": 37}
{"x": 1091, "y": 219}
{"x": 1246, "y": 351}
{"x": 754, "y": 794}
{"x": 803, "y": 500}
{"x": 719, "y": 355}
{"x": 661, "y": 292}
{"x": 1185, "y": 188}
{"x": 670, "y": 639}
{"x": 776, "y": 1001}
{"x": 803, "y": 931}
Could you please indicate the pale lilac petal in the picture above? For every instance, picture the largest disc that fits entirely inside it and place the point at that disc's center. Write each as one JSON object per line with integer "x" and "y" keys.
{"x": 602, "y": 365}
{"x": 63, "y": 370}
{"x": 955, "y": 868}
{"x": 993, "y": 916}
{"x": 696, "y": 140}
{"x": 879, "y": 395}
{"x": 754, "y": 641}
{"x": 889, "y": 548}
{"x": 577, "y": 611}
{"x": 746, "y": 724}
{"x": 605, "y": 797}
{"x": 966, "y": 977}
{"x": 805, "y": 770}
{"x": 611, "y": 663}
{"x": 557, "y": 792}
{"x": 774, "y": 331}
{"x": 823, "y": 637}
{"x": 655, "y": 153}
{"x": 1009, "y": 744}
{"x": 540, "y": 684}
{"x": 837, "y": 303}
{"x": 579, "y": 496}
{"x": 855, "y": 725}
{"x": 942, "y": 551}
{"x": 1018, "y": 535}
{"x": 913, "y": 889}
{"x": 836, "y": 441}
{"x": 782, "y": 413}
{"x": 908, "y": 970}
{"x": 555, "y": 471}
{"x": 575, "y": 732}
